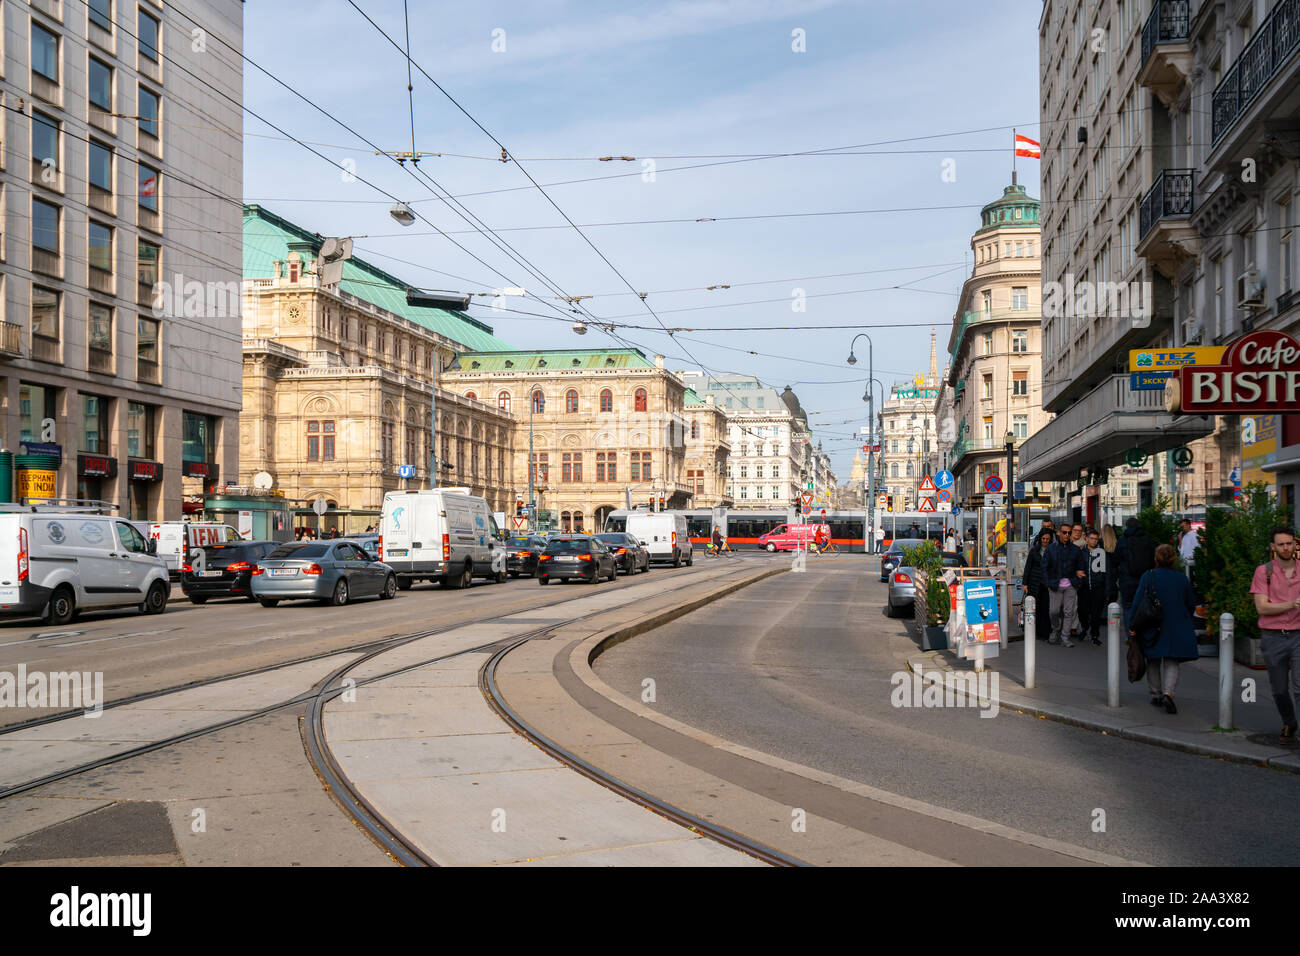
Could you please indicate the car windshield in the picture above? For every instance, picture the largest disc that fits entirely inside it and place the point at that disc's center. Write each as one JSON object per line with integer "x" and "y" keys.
{"x": 233, "y": 552}
{"x": 293, "y": 552}
{"x": 519, "y": 542}
{"x": 569, "y": 546}
{"x": 897, "y": 547}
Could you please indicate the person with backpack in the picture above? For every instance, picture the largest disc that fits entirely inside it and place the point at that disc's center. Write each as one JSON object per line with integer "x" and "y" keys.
{"x": 1035, "y": 584}
{"x": 1065, "y": 571}
{"x": 1168, "y": 637}
{"x": 1135, "y": 555}
{"x": 1276, "y": 588}
{"x": 1100, "y": 589}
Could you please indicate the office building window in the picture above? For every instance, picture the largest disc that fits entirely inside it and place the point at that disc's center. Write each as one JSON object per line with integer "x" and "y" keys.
{"x": 99, "y": 85}
{"x": 45, "y": 313}
{"x": 147, "y": 259}
{"x": 198, "y": 437}
{"x": 100, "y": 172}
{"x": 100, "y": 253}
{"x": 139, "y": 430}
{"x": 146, "y": 349}
{"x": 147, "y": 101}
{"x": 148, "y": 197}
{"x": 100, "y": 13}
{"x": 35, "y": 402}
{"x": 100, "y": 329}
{"x": 147, "y": 33}
{"x": 45, "y": 226}
{"x": 45, "y": 53}
{"x": 94, "y": 424}
{"x": 45, "y": 149}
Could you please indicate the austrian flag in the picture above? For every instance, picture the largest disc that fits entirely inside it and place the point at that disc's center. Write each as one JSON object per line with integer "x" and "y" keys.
{"x": 1027, "y": 147}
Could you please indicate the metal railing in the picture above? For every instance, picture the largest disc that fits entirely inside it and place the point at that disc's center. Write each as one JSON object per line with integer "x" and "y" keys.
{"x": 1170, "y": 22}
{"x": 1276, "y": 41}
{"x": 1172, "y": 195}
{"x": 11, "y": 339}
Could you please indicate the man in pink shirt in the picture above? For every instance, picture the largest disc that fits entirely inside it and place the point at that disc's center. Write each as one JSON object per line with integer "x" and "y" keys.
{"x": 1276, "y": 587}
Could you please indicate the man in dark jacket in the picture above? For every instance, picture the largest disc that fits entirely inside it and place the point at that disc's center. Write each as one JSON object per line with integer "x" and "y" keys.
{"x": 1100, "y": 585}
{"x": 1066, "y": 569}
{"x": 1135, "y": 555}
{"x": 1035, "y": 583}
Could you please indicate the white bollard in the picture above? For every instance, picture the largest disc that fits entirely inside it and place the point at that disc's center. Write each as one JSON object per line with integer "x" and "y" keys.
{"x": 1031, "y": 640}
{"x": 1004, "y": 608}
{"x": 1113, "y": 656}
{"x": 1227, "y": 627}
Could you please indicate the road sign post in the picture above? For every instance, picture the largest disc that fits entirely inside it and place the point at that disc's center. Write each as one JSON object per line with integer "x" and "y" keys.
{"x": 320, "y": 506}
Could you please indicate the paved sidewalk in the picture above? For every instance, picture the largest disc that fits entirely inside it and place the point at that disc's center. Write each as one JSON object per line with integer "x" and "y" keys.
{"x": 1071, "y": 688}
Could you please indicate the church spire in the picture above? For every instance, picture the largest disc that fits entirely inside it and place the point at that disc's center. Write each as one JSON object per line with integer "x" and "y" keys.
{"x": 934, "y": 361}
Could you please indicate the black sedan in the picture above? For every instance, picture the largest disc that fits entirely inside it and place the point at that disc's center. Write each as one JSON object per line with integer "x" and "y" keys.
{"x": 893, "y": 556}
{"x": 575, "y": 556}
{"x": 630, "y": 555}
{"x": 223, "y": 570}
{"x": 522, "y": 552}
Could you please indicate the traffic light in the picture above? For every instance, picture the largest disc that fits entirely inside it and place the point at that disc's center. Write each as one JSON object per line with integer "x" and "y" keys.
{"x": 890, "y": 502}
{"x": 519, "y": 507}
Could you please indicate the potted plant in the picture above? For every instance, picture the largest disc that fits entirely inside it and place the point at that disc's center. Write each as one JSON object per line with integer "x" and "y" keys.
{"x": 932, "y": 602}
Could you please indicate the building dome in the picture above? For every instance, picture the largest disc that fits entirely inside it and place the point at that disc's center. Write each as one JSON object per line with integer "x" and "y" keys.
{"x": 1014, "y": 208}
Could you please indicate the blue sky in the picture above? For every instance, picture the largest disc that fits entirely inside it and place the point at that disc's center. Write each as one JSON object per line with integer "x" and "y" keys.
{"x": 711, "y": 78}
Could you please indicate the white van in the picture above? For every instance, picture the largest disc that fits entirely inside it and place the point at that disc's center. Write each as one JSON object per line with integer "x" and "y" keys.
{"x": 443, "y": 534}
{"x": 58, "y": 563}
{"x": 176, "y": 539}
{"x": 664, "y": 534}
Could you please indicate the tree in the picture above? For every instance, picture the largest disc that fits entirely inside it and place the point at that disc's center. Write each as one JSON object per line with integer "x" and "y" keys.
{"x": 1234, "y": 544}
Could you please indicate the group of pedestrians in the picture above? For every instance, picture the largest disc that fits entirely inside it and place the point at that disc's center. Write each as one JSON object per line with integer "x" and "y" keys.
{"x": 1073, "y": 574}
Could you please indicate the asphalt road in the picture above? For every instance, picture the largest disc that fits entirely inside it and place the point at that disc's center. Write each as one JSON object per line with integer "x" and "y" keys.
{"x": 141, "y": 653}
{"x": 799, "y": 666}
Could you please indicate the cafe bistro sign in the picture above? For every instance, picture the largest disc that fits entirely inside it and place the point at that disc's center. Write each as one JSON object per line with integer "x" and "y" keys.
{"x": 1258, "y": 373}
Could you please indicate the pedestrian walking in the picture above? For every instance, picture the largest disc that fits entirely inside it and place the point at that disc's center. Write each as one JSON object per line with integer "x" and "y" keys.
{"x": 1079, "y": 540}
{"x": 1134, "y": 557}
{"x": 1066, "y": 569}
{"x": 1101, "y": 586}
{"x": 1276, "y": 587}
{"x": 1188, "y": 542}
{"x": 1172, "y": 639}
{"x": 1035, "y": 584}
{"x": 950, "y": 542}
{"x": 880, "y": 539}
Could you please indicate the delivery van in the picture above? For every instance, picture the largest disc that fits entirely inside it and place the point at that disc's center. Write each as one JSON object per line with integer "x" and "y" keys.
{"x": 443, "y": 534}
{"x": 664, "y": 534}
{"x": 791, "y": 537}
{"x": 176, "y": 539}
{"x": 55, "y": 564}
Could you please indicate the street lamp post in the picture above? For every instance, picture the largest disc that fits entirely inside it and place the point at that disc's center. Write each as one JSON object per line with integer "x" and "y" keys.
{"x": 1011, "y": 487}
{"x": 871, "y": 423}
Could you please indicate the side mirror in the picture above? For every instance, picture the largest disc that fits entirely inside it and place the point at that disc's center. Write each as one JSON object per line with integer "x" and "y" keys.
{"x": 153, "y": 545}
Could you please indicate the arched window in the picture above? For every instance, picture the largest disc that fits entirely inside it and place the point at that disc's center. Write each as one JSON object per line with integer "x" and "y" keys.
{"x": 911, "y": 470}
{"x": 577, "y": 521}
{"x": 606, "y": 400}
{"x": 695, "y": 428}
{"x": 639, "y": 400}
{"x": 571, "y": 401}
{"x": 566, "y": 521}
{"x": 893, "y": 470}
{"x": 539, "y": 402}
{"x": 471, "y": 396}
{"x": 503, "y": 401}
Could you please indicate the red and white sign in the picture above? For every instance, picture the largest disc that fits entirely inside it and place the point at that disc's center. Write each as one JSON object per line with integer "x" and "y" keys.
{"x": 1027, "y": 147}
{"x": 1260, "y": 373}
{"x": 806, "y": 498}
{"x": 927, "y": 506}
{"x": 520, "y": 522}
{"x": 927, "y": 484}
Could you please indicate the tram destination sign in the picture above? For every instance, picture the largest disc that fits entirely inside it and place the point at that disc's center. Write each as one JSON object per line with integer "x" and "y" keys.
{"x": 1260, "y": 372}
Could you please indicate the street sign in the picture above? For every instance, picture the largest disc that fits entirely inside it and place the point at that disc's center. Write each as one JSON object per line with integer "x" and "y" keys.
{"x": 1135, "y": 457}
{"x": 1182, "y": 456}
{"x": 992, "y": 484}
{"x": 956, "y": 512}
{"x": 806, "y": 499}
{"x": 1018, "y": 489}
{"x": 944, "y": 506}
{"x": 881, "y": 501}
{"x": 927, "y": 506}
{"x": 406, "y": 471}
{"x": 927, "y": 484}
{"x": 519, "y": 522}
{"x": 320, "y": 506}
{"x": 995, "y": 501}
{"x": 945, "y": 496}
{"x": 944, "y": 479}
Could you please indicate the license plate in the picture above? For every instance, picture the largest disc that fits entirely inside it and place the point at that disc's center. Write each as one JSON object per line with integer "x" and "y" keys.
{"x": 210, "y": 574}
{"x": 397, "y": 552}
{"x": 8, "y": 595}
{"x": 283, "y": 572}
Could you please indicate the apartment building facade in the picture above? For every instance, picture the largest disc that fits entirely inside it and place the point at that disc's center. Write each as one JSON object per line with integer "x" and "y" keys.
{"x": 908, "y": 432}
{"x": 119, "y": 351}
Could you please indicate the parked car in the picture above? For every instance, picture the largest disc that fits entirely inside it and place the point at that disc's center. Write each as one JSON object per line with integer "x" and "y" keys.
{"x": 630, "y": 555}
{"x": 369, "y": 543}
{"x": 522, "y": 554}
{"x": 223, "y": 570}
{"x": 893, "y": 555}
{"x": 902, "y": 583}
{"x": 575, "y": 556}
{"x": 664, "y": 534}
{"x": 58, "y": 563}
{"x": 442, "y": 534}
{"x": 334, "y": 571}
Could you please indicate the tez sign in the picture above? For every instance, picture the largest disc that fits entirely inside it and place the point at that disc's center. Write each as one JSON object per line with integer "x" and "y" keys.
{"x": 1260, "y": 372}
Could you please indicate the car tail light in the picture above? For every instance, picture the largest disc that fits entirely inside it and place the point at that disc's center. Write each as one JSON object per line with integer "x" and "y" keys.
{"x": 240, "y": 566}
{"x": 379, "y": 547}
{"x": 23, "y": 564}
{"x": 312, "y": 569}
{"x": 446, "y": 547}
{"x": 901, "y": 578}
{"x": 584, "y": 557}
{"x": 187, "y": 569}
{"x": 521, "y": 554}
{"x": 257, "y": 570}
{"x": 674, "y": 539}
{"x": 622, "y": 550}
{"x": 543, "y": 557}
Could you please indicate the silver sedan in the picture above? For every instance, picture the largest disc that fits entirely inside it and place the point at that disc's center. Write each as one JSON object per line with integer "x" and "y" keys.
{"x": 332, "y": 571}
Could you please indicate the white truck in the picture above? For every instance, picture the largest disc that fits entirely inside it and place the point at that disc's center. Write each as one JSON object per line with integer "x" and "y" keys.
{"x": 664, "y": 534}
{"x": 443, "y": 534}
{"x": 59, "y": 562}
{"x": 177, "y": 539}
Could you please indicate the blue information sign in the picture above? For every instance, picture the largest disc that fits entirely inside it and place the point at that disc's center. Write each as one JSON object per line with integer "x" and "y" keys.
{"x": 943, "y": 479}
{"x": 1148, "y": 381}
{"x": 406, "y": 471}
{"x": 1019, "y": 491}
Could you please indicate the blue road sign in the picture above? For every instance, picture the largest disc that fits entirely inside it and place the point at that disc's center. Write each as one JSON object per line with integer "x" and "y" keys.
{"x": 406, "y": 471}
{"x": 1019, "y": 491}
{"x": 993, "y": 484}
{"x": 943, "y": 479}
{"x": 945, "y": 494}
{"x": 956, "y": 511}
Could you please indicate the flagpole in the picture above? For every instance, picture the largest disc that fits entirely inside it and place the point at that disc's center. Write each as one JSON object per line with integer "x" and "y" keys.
{"x": 1013, "y": 156}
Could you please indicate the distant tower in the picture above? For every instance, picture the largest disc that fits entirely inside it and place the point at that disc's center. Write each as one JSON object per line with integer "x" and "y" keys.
{"x": 933, "y": 380}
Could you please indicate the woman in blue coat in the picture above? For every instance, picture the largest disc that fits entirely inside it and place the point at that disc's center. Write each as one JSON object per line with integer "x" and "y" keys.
{"x": 1174, "y": 640}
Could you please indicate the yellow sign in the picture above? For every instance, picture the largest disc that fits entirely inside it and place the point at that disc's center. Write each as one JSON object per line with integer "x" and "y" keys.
{"x": 36, "y": 484}
{"x": 1146, "y": 360}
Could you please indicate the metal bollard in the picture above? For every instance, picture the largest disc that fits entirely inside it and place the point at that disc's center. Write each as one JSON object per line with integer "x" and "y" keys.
{"x": 1227, "y": 627}
{"x": 1004, "y": 608}
{"x": 1031, "y": 640}
{"x": 1113, "y": 656}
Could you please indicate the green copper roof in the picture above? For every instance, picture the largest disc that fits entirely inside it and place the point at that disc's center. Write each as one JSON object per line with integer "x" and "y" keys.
{"x": 267, "y": 238}
{"x": 691, "y": 398}
{"x": 1014, "y": 208}
{"x": 554, "y": 360}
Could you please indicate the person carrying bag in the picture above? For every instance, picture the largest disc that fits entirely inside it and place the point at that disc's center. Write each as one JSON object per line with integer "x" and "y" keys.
{"x": 1160, "y": 620}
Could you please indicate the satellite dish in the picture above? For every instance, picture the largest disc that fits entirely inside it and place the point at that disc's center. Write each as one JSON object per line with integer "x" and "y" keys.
{"x": 263, "y": 480}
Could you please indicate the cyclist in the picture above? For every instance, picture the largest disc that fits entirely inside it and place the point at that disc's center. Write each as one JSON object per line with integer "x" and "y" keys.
{"x": 716, "y": 545}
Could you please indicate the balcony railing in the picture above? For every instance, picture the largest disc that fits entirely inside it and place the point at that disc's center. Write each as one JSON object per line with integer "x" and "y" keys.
{"x": 1170, "y": 22}
{"x": 11, "y": 339}
{"x": 1274, "y": 44}
{"x": 1172, "y": 195}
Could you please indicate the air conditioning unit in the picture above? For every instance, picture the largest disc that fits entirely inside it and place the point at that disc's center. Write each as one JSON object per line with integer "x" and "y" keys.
{"x": 1192, "y": 330}
{"x": 1250, "y": 290}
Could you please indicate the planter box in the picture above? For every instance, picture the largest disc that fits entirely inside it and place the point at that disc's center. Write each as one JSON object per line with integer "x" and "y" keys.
{"x": 934, "y": 638}
{"x": 1246, "y": 651}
